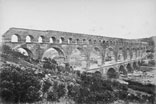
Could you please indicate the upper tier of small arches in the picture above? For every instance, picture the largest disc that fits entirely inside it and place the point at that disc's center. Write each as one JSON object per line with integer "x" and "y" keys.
{"x": 69, "y": 40}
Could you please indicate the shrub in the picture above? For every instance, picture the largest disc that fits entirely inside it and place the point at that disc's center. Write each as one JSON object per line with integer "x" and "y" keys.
{"x": 19, "y": 84}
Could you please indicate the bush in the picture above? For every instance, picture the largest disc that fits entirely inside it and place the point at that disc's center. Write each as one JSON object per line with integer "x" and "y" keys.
{"x": 95, "y": 90}
{"x": 19, "y": 84}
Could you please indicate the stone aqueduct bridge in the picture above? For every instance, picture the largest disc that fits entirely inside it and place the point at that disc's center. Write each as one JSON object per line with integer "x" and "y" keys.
{"x": 82, "y": 51}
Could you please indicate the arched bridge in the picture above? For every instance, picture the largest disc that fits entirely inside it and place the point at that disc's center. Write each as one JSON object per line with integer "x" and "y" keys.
{"x": 83, "y": 52}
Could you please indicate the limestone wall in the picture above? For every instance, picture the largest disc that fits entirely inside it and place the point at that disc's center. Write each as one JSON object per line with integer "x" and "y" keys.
{"x": 154, "y": 39}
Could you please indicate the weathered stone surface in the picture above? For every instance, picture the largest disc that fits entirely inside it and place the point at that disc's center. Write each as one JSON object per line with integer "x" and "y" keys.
{"x": 82, "y": 51}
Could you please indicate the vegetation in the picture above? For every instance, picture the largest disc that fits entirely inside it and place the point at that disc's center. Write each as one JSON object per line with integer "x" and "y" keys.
{"x": 52, "y": 82}
{"x": 19, "y": 84}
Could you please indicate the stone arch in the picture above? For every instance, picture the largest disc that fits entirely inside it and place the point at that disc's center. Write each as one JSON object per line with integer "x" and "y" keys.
{"x": 69, "y": 40}
{"x": 103, "y": 41}
{"x": 40, "y": 39}
{"x": 129, "y": 68}
{"x": 100, "y": 41}
{"x": 54, "y": 53}
{"x": 84, "y": 40}
{"x": 78, "y": 59}
{"x": 90, "y": 41}
{"x": 109, "y": 55}
{"x": 139, "y": 52}
{"x": 77, "y": 41}
{"x": 110, "y": 42}
{"x": 95, "y": 58}
{"x": 98, "y": 73}
{"x": 52, "y": 40}
{"x": 94, "y": 41}
{"x": 139, "y": 62}
{"x": 15, "y": 38}
{"x": 135, "y": 65}
{"x": 28, "y": 38}
{"x": 128, "y": 56}
{"x": 120, "y": 56}
{"x": 24, "y": 51}
{"x": 122, "y": 70}
{"x": 111, "y": 73}
{"x": 133, "y": 53}
{"x": 61, "y": 40}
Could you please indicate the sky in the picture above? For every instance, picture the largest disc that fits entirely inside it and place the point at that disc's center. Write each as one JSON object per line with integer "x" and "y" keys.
{"x": 128, "y": 19}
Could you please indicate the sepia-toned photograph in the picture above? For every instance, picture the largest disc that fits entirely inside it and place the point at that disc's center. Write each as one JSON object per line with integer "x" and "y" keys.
{"x": 77, "y": 51}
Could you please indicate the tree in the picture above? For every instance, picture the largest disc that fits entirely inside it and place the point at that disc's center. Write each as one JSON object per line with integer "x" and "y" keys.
{"x": 19, "y": 84}
{"x": 49, "y": 63}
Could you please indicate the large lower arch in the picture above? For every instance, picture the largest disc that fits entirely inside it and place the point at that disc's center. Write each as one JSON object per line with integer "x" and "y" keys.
{"x": 122, "y": 70}
{"x": 129, "y": 68}
{"x": 95, "y": 58}
{"x": 135, "y": 65}
{"x": 128, "y": 56}
{"x": 54, "y": 53}
{"x": 134, "y": 54}
{"x": 120, "y": 56}
{"x": 111, "y": 73}
{"x": 109, "y": 55}
{"x": 139, "y": 62}
{"x": 78, "y": 59}
{"x": 24, "y": 51}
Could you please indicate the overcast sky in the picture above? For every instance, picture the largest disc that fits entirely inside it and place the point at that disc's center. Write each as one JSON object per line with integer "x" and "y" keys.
{"x": 113, "y": 18}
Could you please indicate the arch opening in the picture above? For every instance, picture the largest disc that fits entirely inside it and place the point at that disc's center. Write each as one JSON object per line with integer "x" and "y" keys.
{"x": 15, "y": 38}
{"x": 103, "y": 42}
{"x": 90, "y": 41}
{"x": 77, "y": 41}
{"x": 138, "y": 53}
{"x": 129, "y": 68}
{"x": 25, "y": 51}
{"x": 122, "y": 70}
{"x": 139, "y": 63}
{"x": 54, "y": 53}
{"x": 128, "y": 54}
{"x": 52, "y": 40}
{"x": 61, "y": 40}
{"x": 69, "y": 40}
{"x": 78, "y": 59}
{"x": 109, "y": 56}
{"x": 94, "y": 41}
{"x": 95, "y": 58}
{"x": 135, "y": 66}
{"x": 98, "y": 73}
{"x": 40, "y": 39}
{"x": 84, "y": 40}
{"x": 28, "y": 39}
{"x": 133, "y": 54}
{"x": 120, "y": 55}
{"x": 111, "y": 73}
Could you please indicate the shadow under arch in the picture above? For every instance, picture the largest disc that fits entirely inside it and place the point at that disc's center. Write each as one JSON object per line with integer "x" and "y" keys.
{"x": 135, "y": 66}
{"x": 98, "y": 73}
{"x": 109, "y": 54}
{"x": 122, "y": 70}
{"x": 129, "y": 68}
{"x": 111, "y": 73}
{"x": 54, "y": 53}
{"x": 139, "y": 63}
{"x": 78, "y": 58}
{"x": 120, "y": 56}
{"x": 95, "y": 58}
{"x": 24, "y": 50}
